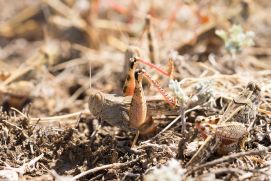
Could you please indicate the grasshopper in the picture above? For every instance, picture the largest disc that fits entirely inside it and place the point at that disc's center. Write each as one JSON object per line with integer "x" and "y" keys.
{"x": 231, "y": 130}
{"x": 115, "y": 109}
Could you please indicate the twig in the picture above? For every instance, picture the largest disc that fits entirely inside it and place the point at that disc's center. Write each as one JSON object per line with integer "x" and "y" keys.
{"x": 37, "y": 58}
{"x": 264, "y": 111}
{"x": 236, "y": 171}
{"x": 156, "y": 146}
{"x": 183, "y": 120}
{"x": 96, "y": 177}
{"x": 16, "y": 110}
{"x": 26, "y": 166}
{"x": 69, "y": 64}
{"x": 59, "y": 177}
{"x": 54, "y": 118}
{"x": 166, "y": 128}
{"x": 90, "y": 80}
{"x": 227, "y": 170}
{"x": 73, "y": 98}
{"x": 11, "y": 124}
{"x": 113, "y": 165}
{"x": 229, "y": 157}
{"x": 17, "y": 74}
{"x": 94, "y": 133}
{"x": 252, "y": 173}
{"x": 172, "y": 123}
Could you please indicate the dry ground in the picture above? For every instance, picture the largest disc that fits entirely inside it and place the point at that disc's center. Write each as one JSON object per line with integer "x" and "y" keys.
{"x": 57, "y": 48}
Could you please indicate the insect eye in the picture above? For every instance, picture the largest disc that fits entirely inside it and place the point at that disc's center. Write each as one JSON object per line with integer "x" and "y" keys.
{"x": 136, "y": 75}
{"x": 132, "y": 62}
{"x": 139, "y": 73}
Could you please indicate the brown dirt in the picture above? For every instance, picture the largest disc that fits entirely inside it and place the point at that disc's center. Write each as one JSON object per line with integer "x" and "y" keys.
{"x": 54, "y": 47}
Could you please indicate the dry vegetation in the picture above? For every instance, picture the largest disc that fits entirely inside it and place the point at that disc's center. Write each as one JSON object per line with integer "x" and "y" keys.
{"x": 52, "y": 50}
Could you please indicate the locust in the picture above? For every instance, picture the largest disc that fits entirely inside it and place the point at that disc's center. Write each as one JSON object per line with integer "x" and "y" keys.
{"x": 114, "y": 109}
{"x": 134, "y": 110}
{"x": 129, "y": 112}
{"x": 232, "y": 127}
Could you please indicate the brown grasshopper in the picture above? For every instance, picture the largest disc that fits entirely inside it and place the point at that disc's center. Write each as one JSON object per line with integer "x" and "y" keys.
{"x": 115, "y": 109}
{"x": 129, "y": 113}
{"x": 230, "y": 131}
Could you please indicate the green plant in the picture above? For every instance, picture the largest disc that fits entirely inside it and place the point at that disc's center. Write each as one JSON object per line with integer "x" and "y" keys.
{"x": 178, "y": 92}
{"x": 236, "y": 39}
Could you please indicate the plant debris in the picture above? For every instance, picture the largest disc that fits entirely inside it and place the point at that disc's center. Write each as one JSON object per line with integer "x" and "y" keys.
{"x": 56, "y": 55}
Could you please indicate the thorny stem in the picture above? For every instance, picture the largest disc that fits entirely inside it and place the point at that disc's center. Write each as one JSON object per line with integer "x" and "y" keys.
{"x": 171, "y": 101}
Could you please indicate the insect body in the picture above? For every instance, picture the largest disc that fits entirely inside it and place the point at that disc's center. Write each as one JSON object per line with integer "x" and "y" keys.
{"x": 230, "y": 131}
{"x": 138, "y": 108}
